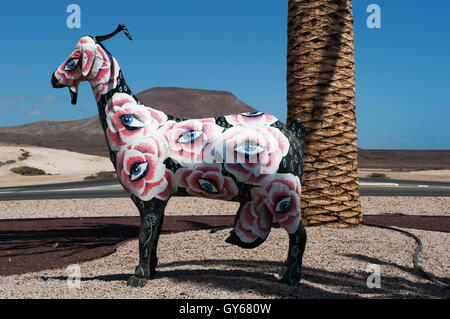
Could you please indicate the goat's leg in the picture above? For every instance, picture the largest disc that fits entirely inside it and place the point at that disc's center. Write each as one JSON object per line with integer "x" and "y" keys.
{"x": 235, "y": 239}
{"x": 152, "y": 214}
{"x": 297, "y": 243}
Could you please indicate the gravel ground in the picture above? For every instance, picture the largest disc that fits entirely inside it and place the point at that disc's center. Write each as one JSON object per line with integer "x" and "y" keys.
{"x": 104, "y": 207}
{"x": 198, "y": 264}
{"x": 407, "y": 205}
{"x": 101, "y": 207}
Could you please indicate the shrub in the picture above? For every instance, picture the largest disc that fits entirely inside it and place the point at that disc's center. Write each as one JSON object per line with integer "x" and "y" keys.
{"x": 25, "y": 154}
{"x": 378, "y": 175}
{"x": 101, "y": 175}
{"x": 28, "y": 171}
{"x": 7, "y": 162}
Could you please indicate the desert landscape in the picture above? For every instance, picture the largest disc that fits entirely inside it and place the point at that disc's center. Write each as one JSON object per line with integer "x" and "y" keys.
{"x": 66, "y": 166}
{"x": 367, "y": 171}
{"x": 198, "y": 263}
{"x": 85, "y": 136}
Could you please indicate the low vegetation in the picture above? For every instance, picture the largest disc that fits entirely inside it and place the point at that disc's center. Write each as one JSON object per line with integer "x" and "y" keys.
{"x": 9, "y": 162}
{"x": 101, "y": 175}
{"x": 378, "y": 175}
{"x": 28, "y": 171}
{"x": 24, "y": 155}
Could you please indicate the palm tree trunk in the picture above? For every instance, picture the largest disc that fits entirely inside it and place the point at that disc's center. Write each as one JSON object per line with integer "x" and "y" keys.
{"x": 321, "y": 94}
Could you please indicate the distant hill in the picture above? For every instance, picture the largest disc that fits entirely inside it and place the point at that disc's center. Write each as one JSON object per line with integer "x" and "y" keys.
{"x": 404, "y": 159}
{"x": 83, "y": 136}
{"x": 86, "y": 135}
{"x": 193, "y": 103}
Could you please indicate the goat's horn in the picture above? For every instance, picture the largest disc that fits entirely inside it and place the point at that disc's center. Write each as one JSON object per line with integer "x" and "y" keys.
{"x": 120, "y": 28}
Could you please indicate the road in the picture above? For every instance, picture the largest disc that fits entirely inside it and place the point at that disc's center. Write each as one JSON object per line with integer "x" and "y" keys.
{"x": 107, "y": 188}
{"x": 394, "y": 187}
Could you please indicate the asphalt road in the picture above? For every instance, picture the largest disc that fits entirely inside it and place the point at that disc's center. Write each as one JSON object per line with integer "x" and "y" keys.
{"x": 107, "y": 188}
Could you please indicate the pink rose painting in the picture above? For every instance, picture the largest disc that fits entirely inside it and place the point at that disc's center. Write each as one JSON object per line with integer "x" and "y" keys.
{"x": 251, "y": 119}
{"x": 206, "y": 181}
{"x": 283, "y": 193}
{"x": 89, "y": 62}
{"x": 252, "y": 152}
{"x": 255, "y": 219}
{"x": 69, "y": 70}
{"x": 192, "y": 141}
{"x": 129, "y": 122}
{"x": 104, "y": 71}
{"x": 171, "y": 186}
{"x": 141, "y": 170}
{"x": 69, "y": 73}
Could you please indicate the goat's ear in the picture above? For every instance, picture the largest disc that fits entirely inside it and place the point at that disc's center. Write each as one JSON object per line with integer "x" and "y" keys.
{"x": 88, "y": 51}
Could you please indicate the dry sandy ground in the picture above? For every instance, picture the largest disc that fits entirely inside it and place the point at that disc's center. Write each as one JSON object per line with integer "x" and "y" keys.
{"x": 441, "y": 175}
{"x": 63, "y": 166}
{"x": 199, "y": 264}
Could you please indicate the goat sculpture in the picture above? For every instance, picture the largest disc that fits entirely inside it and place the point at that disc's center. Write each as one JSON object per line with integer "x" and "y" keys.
{"x": 251, "y": 158}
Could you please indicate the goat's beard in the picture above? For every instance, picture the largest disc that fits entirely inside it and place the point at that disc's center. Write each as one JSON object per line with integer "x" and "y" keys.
{"x": 73, "y": 94}
{"x": 73, "y": 89}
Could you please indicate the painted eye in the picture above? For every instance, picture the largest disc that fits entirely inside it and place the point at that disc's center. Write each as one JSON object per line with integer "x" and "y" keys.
{"x": 189, "y": 136}
{"x": 284, "y": 205}
{"x": 131, "y": 121}
{"x": 207, "y": 185}
{"x": 252, "y": 114}
{"x": 138, "y": 170}
{"x": 250, "y": 148}
{"x": 71, "y": 65}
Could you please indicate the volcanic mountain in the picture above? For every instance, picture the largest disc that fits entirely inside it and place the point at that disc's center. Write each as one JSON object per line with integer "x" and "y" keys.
{"x": 86, "y": 135}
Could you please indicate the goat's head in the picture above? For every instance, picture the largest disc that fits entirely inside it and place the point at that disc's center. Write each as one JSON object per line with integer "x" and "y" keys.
{"x": 90, "y": 61}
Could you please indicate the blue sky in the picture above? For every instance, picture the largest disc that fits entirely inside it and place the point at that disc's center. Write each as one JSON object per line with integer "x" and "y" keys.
{"x": 402, "y": 69}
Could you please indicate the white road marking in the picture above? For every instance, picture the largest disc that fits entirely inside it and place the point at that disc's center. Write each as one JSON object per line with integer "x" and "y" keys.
{"x": 92, "y": 188}
{"x": 21, "y": 190}
{"x": 377, "y": 184}
{"x": 11, "y": 190}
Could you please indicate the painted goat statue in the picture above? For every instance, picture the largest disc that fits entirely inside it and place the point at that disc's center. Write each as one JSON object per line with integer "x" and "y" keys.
{"x": 251, "y": 158}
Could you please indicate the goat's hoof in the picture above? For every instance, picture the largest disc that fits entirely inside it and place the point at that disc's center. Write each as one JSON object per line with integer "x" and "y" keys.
{"x": 134, "y": 281}
{"x": 235, "y": 240}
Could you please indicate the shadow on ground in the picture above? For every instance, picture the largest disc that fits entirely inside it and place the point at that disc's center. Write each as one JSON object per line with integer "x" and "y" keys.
{"x": 33, "y": 245}
{"x": 25, "y": 250}
{"x": 29, "y": 245}
{"x": 256, "y": 276}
